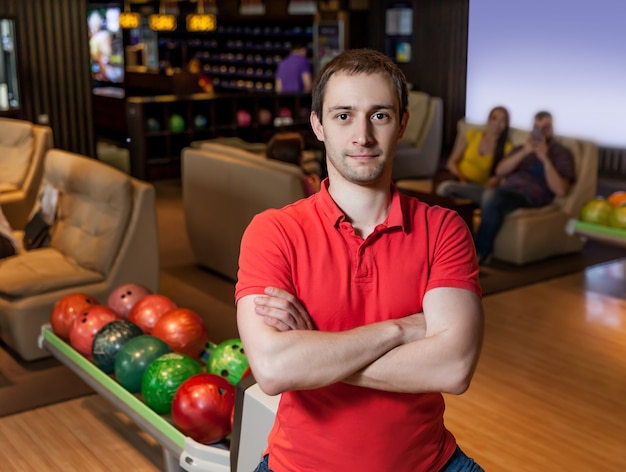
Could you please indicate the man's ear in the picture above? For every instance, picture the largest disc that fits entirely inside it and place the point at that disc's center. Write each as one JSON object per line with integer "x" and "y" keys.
{"x": 317, "y": 127}
{"x": 403, "y": 123}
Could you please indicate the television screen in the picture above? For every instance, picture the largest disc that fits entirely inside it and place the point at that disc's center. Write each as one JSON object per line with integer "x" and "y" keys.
{"x": 106, "y": 47}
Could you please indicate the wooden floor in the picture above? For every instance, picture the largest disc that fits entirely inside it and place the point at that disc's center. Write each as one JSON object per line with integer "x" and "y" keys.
{"x": 549, "y": 393}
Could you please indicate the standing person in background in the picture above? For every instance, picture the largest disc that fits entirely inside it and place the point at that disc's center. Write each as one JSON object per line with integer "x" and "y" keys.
{"x": 471, "y": 166}
{"x": 8, "y": 244}
{"x": 293, "y": 73}
{"x": 360, "y": 304}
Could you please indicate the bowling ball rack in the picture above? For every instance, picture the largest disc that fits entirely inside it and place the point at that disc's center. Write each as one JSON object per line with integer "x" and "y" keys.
{"x": 595, "y": 232}
{"x": 180, "y": 452}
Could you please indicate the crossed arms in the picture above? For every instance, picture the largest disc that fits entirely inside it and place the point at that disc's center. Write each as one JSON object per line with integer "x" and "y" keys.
{"x": 433, "y": 351}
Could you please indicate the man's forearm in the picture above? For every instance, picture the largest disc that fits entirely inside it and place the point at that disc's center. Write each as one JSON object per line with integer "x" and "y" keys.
{"x": 305, "y": 359}
{"x": 510, "y": 163}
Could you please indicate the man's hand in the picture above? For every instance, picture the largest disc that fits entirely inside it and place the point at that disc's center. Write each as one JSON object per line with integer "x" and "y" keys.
{"x": 413, "y": 327}
{"x": 282, "y": 310}
{"x": 540, "y": 148}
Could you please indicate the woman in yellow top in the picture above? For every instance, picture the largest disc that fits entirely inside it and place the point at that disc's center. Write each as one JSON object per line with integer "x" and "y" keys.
{"x": 470, "y": 167}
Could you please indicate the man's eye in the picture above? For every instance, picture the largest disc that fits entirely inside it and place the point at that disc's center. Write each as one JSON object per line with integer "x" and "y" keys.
{"x": 342, "y": 116}
{"x": 380, "y": 116}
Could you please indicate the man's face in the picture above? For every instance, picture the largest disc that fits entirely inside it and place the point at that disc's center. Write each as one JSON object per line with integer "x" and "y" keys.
{"x": 361, "y": 127}
{"x": 545, "y": 124}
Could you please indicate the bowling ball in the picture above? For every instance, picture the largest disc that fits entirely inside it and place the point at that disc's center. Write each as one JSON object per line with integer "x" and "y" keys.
{"x": 176, "y": 123}
{"x": 183, "y": 330}
{"x": 597, "y": 211}
{"x": 86, "y": 326}
{"x": 207, "y": 351}
{"x": 152, "y": 124}
{"x": 109, "y": 340}
{"x": 243, "y": 118}
{"x": 124, "y": 297}
{"x": 228, "y": 360}
{"x": 617, "y": 217}
{"x": 285, "y": 112}
{"x": 202, "y": 407}
{"x": 617, "y": 198}
{"x": 265, "y": 117}
{"x": 134, "y": 358}
{"x": 149, "y": 309}
{"x": 65, "y": 311}
{"x": 163, "y": 377}
{"x": 200, "y": 122}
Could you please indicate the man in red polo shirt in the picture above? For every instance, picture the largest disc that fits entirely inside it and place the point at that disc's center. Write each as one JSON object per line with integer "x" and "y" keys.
{"x": 359, "y": 304}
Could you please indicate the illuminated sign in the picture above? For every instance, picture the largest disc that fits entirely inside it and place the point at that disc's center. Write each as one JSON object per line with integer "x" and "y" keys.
{"x": 160, "y": 22}
{"x": 201, "y": 22}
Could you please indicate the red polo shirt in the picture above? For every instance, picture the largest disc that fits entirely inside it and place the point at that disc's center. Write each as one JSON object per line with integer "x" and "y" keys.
{"x": 309, "y": 249}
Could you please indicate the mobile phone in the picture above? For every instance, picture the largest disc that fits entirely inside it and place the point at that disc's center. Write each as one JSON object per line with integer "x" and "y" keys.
{"x": 537, "y": 133}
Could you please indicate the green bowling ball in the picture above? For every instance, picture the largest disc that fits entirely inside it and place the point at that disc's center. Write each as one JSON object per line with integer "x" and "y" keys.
{"x": 176, "y": 123}
{"x": 228, "y": 360}
{"x": 134, "y": 358}
{"x": 163, "y": 377}
{"x": 108, "y": 342}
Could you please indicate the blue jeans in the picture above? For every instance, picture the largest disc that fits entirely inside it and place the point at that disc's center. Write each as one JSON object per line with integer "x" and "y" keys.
{"x": 459, "y": 462}
{"x": 495, "y": 204}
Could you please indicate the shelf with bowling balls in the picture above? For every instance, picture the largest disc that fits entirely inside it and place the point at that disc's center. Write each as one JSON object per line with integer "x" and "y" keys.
{"x": 154, "y": 358}
{"x": 602, "y": 219}
{"x": 160, "y": 127}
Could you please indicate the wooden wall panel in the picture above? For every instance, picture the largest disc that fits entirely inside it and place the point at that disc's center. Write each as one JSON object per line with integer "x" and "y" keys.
{"x": 53, "y": 56}
{"x": 438, "y": 64}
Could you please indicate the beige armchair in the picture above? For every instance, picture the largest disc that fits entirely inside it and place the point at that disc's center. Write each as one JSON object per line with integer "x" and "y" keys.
{"x": 105, "y": 235}
{"x": 22, "y": 149}
{"x": 532, "y": 234}
{"x": 419, "y": 150}
{"x": 223, "y": 188}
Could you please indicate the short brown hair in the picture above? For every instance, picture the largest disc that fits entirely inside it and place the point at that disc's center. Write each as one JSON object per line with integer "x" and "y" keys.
{"x": 359, "y": 61}
{"x": 286, "y": 147}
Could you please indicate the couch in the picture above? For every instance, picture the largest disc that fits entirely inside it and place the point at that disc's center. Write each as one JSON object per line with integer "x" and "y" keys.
{"x": 22, "y": 149}
{"x": 223, "y": 187}
{"x": 419, "y": 150}
{"x": 105, "y": 235}
{"x": 532, "y": 234}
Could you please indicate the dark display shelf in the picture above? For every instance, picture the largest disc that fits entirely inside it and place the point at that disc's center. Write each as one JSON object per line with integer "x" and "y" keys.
{"x": 160, "y": 127}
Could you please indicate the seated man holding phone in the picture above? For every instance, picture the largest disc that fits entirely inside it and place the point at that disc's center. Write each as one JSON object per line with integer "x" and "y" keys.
{"x": 532, "y": 175}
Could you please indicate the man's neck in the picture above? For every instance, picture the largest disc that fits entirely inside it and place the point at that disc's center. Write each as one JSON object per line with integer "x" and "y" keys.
{"x": 365, "y": 206}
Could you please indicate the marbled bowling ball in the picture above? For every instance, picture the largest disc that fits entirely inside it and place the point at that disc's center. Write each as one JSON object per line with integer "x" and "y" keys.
{"x": 109, "y": 340}
{"x": 184, "y": 330}
{"x": 202, "y": 407}
{"x": 134, "y": 358}
{"x": 149, "y": 309}
{"x": 163, "y": 377}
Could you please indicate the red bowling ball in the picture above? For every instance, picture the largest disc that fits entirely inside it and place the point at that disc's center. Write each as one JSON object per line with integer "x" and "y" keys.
{"x": 65, "y": 311}
{"x": 202, "y": 407}
{"x": 123, "y": 298}
{"x": 183, "y": 330}
{"x": 87, "y": 325}
{"x": 149, "y": 309}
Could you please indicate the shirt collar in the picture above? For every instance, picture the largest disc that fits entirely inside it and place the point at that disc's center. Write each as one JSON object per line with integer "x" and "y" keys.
{"x": 335, "y": 216}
